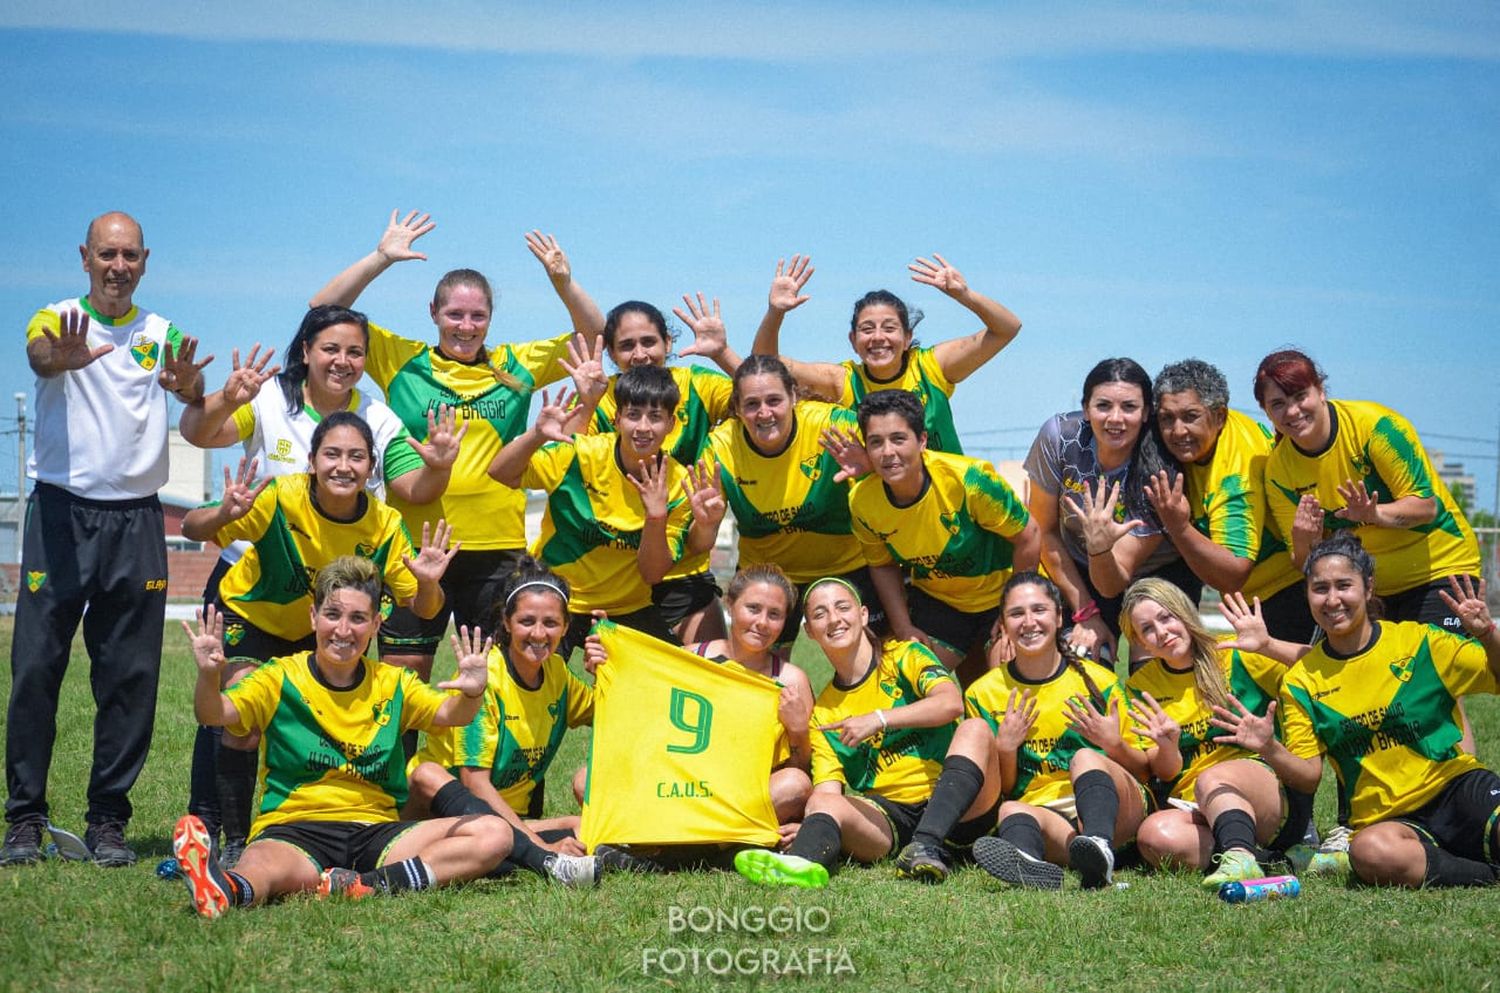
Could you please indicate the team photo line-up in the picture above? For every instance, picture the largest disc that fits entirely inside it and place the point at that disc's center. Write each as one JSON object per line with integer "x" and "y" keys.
{"x": 976, "y": 711}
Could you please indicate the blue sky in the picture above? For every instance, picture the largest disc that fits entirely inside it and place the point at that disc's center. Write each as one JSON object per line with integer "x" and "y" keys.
{"x": 1157, "y": 180}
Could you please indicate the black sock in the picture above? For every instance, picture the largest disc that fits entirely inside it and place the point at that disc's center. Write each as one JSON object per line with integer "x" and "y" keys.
{"x": 456, "y": 800}
{"x": 241, "y": 893}
{"x": 408, "y": 874}
{"x": 820, "y": 840}
{"x": 1023, "y": 831}
{"x": 528, "y": 854}
{"x": 236, "y": 780}
{"x": 203, "y": 785}
{"x": 1234, "y": 829}
{"x": 956, "y": 789}
{"x": 1098, "y": 803}
{"x": 1446, "y": 869}
{"x": 409, "y": 745}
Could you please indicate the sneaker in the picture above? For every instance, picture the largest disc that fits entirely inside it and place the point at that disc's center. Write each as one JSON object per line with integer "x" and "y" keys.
{"x": 199, "y": 867}
{"x": 69, "y": 847}
{"x": 1008, "y": 863}
{"x": 761, "y": 865}
{"x": 342, "y": 883}
{"x": 23, "y": 843}
{"x": 1234, "y": 866}
{"x": 611, "y": 858}
{"x": 1094, "y": 860}
{"x": 107, "y": 843}
{"x": 1337, "y": 841}
{"x": 923, "y": 863}
{"x": 573, "y": 870}
{"x": 229, "y": 855}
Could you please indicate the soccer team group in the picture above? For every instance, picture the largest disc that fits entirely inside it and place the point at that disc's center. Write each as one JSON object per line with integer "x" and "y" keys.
{"x": 976, "y": 710}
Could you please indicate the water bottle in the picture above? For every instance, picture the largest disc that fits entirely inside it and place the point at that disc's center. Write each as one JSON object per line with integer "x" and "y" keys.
{"x": 1266, "y": 888}
{"x": 168, "y": 869}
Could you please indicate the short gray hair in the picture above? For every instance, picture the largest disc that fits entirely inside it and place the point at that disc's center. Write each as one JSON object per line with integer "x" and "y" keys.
{"x": 1196, "y": 375}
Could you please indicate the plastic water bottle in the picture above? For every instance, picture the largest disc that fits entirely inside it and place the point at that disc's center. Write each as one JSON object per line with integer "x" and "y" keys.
{"x": 168, "y": 869}
{"x": 1266, "y": 888}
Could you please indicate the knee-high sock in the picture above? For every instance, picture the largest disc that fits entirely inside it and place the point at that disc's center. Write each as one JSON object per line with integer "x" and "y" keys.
{"x": 959, "y": 784}
{"x": 203, "y": 784}
{"x": 1098, "y": 804}
{"x": 1023, "y": 831}
{"x": 1446, "y": 869}
{"x": 819, "y": 840}
{"x": 236, "y": 781}
{"x": 1234, "y": 829}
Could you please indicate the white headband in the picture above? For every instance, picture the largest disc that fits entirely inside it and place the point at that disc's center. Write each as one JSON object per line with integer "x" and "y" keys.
{"x": 537, "y": 582}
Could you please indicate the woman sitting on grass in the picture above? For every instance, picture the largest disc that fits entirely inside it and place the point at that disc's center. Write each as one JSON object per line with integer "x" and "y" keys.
{"x": 1071, "y": 784}
{"x": 333, "y": 773}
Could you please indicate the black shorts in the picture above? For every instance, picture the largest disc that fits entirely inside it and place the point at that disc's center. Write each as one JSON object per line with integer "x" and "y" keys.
{"x": 471, "y": 592}
{"x": 243, "y": 640}
{"x": 678, "y": 599}
{"x": 647, "y": 620}
{"x": 903, "y": 819}
{"x": 1463, "y": 819}
{"x": 1424, "y": 605}
{"x": 955, "y": 629}
{"x": 860, "y": 580}
{"x": 339, "y": 844}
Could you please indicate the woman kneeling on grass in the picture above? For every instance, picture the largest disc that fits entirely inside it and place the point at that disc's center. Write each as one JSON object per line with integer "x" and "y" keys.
{"x": 1224, "y": 800}
{"x": 1072, "y": 784}
{"x": 882, "y": 728}
{"x": 1380, "y": 699}
{"x": 333, "y": 772}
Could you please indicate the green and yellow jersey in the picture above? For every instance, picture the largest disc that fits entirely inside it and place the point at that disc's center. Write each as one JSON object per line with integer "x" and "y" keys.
{"x": 518, "y": 729}
{"x": 591, "y": 528}
{"x": 920, "y": 374}
{"x": 1387, "y": 716}
{"x": 955, "y": 540}
{"x": 1378, "y": 446}
{"x": 331, "y": 754}
{"x": 493, "y": 398}
{"x": 1043, "y": 758}
{"x": 1253, "y": 679}
{"x": 899, "y": 764}
{"x": 1228, "y": 504}
{"x": 704, "y": 403}
{"x": 290, "y": 540}
{"x": 788, "y": 508}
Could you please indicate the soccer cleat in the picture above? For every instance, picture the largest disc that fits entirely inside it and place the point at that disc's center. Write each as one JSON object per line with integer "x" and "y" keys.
{"x": 23, "y": 843}
{"x": 342, "y": 883}
{"x": 70, "y": 847}
{"x": 199, "y": 867}
{"x": 761, "y": 865}
{"x": 1337, "y": 841}
{"x": 1309, "y": 860}
{"x": 106, "y": 841}
{"x": 1093, "y": 859}
{"x": 611, "y": 858}
{"x": 923, "y": 863}
{"x": 1235, "y": 866}
{"x": 1008, "y": 863}
{"x": 229, "y": 854}
{"x": 573, "y": 870}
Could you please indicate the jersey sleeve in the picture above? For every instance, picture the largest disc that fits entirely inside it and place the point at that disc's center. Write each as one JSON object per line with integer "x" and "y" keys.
{"x": 927, "y": 361}
{"x": 580, "y": 702}
{"x": 923, "y": 669}
{"x": 714, "y": 389}
{"x": 1296, "y": 722}
{"x": 256, "y": 698}
{"x": 1044, "y": 461}
{"x": 548, "y": 465}
{"x": 543, "y": 359}
{"x": 255, "y": 522}
{"x": 398, "y": 576}
{"x": 1399, "y": 457}
{"x": 1461, "y": 662}
{"x": 419, "y": 702}
{"x": 826, "y": 767}
{"x": 245, "y": 423}
{"x": 43, "y": 322}
{"x": 388, "y": 353}
{"x": 992, "y": 503}
{"x": 476, "y": 743}
{"x": 1234, "y": 519}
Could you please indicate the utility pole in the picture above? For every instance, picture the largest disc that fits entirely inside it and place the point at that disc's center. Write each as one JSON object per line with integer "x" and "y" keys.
{"x": 20, "y": 469}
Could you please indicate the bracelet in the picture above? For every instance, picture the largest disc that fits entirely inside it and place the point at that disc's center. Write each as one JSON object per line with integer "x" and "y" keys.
{"x": 1487, "y": 631}
{"x": 883, "y": 725}
{"x": 1087, "y": 612}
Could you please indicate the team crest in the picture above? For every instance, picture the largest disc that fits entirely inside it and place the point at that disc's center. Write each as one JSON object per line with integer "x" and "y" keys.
{"x": 892, "y": 690}
{"x": 234, "y": 634}
{"x": 364, "y": 551}
{"x": 811, "y": 469}
{"x": 554, "y": 708}
{"x": 950, "y": 522}
{"x": 387, "y": 604}
{"x": 145, "y": 351}
{"x": 1401, "y": 669}
{"x": 35, "y": 580}
{"x": 380, "y": 714}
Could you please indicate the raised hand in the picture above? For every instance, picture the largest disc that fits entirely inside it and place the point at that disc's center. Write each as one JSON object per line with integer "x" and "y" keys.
{"x": 1169, "y": 501}
{"x": 1244, "y": 728}
{"x": 853, "y": 730}
{"x": 650, "y": 481}
{"x": 552, "y": 418}
{"x": 709, "y": 337}
{"x": 1471, "y": 606}
{"x": 1017, "y": 721}
{"x": 848, "y": 452}
{"x": 1150, "y": 721}
{"x": 241, "y": 490}
{"x": 1000, "y": 648}
{"x": 1103, "y": 729}
{"x": 1100, "y": 529}
{"x": 787, "y": 284}
{"x": 432, "y": 558}
{"x": 440, "y": 450}
{"x": 473, "y": 675}
{"x": 1360, "y": 505}
{"x": 550, "y": 254}
{"x": 1093, "y": 639}
{"x": 594, "y": 654}
{"x": 794, "y": 708}
{"x": 704, "y": 494}
{"x": 585, "y": 364}
{"x": 245, "y": 381}
{"x": 1309, "y": 520}
{"x": 70, "y": 346}
{"x": 1250, "y": 632}
{"x": 208, "y": 641}
{"x": 395, "y": 244}
{"x": 179, "y": 370}
{"x": 940, "y": 274}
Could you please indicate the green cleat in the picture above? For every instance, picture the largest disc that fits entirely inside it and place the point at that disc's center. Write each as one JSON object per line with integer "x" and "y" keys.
{"x": 1235, "y": 865}
{"x": 760, "y": 865}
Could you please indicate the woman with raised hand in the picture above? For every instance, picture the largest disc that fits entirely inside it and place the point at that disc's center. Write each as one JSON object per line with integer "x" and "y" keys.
{"x": 887, "y": 356}
{"x": 1089, "y": 470}
{"x": 1072, "y": 786}
{"x": 1225, "y": 806}
{"x": 1215, "y": 511}
{"x": 332, "y": 718}
{"x": 1380, "y": 699}
{"x": 636, "y": 334}
{"x": 787, "y": 490}
{"x": 949, "y": 522}
{"x": 489, "y": 386}
{"x": 881, "y": 730}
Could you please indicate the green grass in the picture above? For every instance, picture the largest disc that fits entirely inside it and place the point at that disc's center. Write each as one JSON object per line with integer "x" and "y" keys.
{"x": 83, "y": 928}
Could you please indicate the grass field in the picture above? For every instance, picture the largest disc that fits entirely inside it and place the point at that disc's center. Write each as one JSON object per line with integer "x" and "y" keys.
{"x": 83, "y": 928}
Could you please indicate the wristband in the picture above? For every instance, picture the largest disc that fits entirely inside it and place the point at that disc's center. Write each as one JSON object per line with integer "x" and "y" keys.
{"x": 883, "y": 725}
{"x": 1087, "y": 612}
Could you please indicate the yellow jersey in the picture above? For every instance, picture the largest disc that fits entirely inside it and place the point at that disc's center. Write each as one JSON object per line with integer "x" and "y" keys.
{"x": 920, "y": 374}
